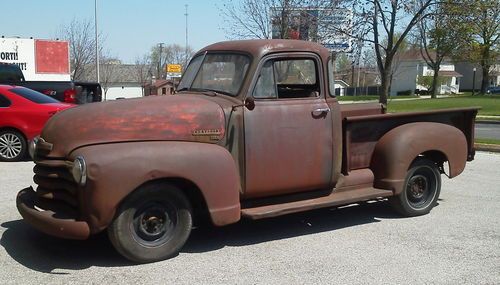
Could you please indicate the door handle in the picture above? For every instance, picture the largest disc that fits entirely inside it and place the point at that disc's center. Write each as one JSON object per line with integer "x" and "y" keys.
{"x": 320, "y": 111}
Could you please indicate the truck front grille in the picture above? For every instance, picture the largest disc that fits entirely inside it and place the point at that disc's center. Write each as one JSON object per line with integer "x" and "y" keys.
{"x": 57, "y": 190}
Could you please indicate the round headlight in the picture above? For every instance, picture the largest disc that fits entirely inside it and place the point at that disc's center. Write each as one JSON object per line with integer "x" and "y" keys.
{"x": 79, "y": 170}
{"x": 32, "y": 147}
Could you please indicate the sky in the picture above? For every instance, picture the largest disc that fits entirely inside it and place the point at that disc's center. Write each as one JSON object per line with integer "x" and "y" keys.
{"x": 130, "y": 28}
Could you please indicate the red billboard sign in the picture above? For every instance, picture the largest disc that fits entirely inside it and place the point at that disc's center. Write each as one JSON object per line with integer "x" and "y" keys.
{"x": 52, "y": 57}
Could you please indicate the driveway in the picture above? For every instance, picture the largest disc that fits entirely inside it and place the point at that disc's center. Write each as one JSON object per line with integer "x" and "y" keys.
{"x": 457, "y": 243}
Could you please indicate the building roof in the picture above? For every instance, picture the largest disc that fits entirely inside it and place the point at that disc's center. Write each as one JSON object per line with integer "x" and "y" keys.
{"x": 160, "y": 83}
{"x": 341, "y": 82}
{"x": 449, "y": 73}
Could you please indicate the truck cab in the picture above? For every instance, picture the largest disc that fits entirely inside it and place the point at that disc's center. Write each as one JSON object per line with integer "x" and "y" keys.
{"x": 254, "y": 131}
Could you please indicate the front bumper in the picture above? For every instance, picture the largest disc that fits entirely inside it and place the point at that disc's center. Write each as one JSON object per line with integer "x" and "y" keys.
{"x": 48, "y": 221}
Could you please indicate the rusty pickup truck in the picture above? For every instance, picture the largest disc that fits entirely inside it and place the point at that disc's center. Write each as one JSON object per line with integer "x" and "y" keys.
{"x": 254, "y": 131}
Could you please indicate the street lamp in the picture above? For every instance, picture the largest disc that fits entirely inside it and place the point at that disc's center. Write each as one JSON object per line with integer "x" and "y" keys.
{"x": 473, "y": 81}
{"x": 97, "y": 44}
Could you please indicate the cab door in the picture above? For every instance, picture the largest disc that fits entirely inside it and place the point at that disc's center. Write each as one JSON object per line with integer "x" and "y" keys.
{"x": 288, "y": 135}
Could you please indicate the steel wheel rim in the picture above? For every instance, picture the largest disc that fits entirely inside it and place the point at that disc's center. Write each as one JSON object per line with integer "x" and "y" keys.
{"x": 154, "y": 223}
{"x": 421, "y": 188}
{"x": 10, "y": 145}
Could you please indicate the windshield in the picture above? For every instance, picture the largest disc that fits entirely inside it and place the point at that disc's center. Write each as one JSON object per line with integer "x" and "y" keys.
{"x": 219, "y": 72}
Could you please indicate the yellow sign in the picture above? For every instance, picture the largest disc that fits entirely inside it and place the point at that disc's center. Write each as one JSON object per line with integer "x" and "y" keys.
{"x": 174, "y": 68}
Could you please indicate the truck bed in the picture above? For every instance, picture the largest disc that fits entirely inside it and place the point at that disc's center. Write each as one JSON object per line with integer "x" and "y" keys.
{"x": 362, "y": 130}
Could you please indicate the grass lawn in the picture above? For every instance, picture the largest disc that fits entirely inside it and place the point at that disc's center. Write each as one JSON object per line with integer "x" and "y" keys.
{"x": 490, "y": 104}
{"x": 370, "y": 97}
{"x": 488, "y": 141}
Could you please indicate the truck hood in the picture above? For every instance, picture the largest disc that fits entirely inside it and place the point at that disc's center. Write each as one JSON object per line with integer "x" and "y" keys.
{"x": 156, "y": 118}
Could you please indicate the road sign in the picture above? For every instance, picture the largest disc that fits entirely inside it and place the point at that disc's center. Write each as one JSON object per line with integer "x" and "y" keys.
{"x": 176, "y": 68}
{"x": 174, "y": 74}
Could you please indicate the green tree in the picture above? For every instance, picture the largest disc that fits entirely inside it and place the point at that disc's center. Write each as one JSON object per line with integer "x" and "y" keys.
{"x": 440, "y": 36}
{"x": 482, "y": 18}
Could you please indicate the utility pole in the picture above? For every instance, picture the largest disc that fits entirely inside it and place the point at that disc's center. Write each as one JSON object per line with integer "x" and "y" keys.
{"x": 186, "y": 51}
{"x": 159, "y": 61}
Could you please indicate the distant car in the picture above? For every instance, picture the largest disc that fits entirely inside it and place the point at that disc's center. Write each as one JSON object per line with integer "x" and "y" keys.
{"x": 23, "y": 113}
{"x": 493, "y": 90}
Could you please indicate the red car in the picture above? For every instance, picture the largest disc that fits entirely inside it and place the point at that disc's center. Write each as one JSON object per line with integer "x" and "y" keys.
{"x": 23, "y": 113}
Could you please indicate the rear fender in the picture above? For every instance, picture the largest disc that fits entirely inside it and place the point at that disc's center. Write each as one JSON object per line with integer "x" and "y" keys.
{"x": 115, "y": 170}
{"x": 398, "y": 148}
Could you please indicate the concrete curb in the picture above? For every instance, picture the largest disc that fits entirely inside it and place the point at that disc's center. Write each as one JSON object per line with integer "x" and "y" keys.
{"x": 487, "y": 147}
{"x": 480, "y": 121}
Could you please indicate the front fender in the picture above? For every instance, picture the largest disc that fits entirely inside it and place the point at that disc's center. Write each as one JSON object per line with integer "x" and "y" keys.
{"x": 115, "y": 170}
{"x": 397, "y": 149}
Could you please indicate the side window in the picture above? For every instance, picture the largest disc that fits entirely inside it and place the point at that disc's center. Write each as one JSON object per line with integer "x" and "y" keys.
{"x": 266, "y": 86}
{"x": 288, "y": 78}
{"x": 4, "y": 102}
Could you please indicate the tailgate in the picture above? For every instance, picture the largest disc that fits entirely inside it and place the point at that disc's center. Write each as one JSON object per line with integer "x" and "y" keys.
{"x": 88, "y": 92}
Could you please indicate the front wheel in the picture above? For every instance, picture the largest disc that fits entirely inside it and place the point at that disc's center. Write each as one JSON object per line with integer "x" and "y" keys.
{"x": 12, "y": 146}
{"x": 421, "y": 189}
{"x": 152, "y": 224}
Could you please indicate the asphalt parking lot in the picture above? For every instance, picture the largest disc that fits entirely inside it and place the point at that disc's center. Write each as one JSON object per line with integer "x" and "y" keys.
{"x": 457, "y": 243}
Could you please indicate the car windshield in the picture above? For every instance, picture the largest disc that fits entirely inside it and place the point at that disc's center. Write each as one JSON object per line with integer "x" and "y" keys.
{"x": 218, "y": 72}
{"x": 33, "y": 96}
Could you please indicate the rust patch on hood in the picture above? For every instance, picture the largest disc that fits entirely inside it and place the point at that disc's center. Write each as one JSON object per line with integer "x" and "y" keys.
{"x": 178, "y": 117}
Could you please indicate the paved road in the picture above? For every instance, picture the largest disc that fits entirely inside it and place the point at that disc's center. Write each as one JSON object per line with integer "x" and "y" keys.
{"x": 488, "y": 131}
{"x": 457, "y": 243}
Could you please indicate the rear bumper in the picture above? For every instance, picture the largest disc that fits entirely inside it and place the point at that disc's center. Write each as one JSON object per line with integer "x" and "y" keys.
{"x": 48, "y": 221}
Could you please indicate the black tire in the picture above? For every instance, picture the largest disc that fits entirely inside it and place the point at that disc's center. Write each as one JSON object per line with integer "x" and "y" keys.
{"x": 421, "y": 189}
{"x": 152, "y": 224}
{"x": 13, "y": 146}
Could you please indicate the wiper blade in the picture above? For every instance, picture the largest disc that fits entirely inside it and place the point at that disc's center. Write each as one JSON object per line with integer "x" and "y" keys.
{"x": 206, "y": 91}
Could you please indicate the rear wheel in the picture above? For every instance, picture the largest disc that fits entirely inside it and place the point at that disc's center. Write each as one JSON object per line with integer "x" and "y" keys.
{"x": 421, "y": 189}
{"x": 152, "y": 224}
{"x": 12, "y": 146}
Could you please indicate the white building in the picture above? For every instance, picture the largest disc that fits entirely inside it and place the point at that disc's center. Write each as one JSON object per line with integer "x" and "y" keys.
{"x": 467, "y": 69}
{"x": 340, "y": 86}
{"x": 120, "y": 81}
{"x": 410, "y": 66}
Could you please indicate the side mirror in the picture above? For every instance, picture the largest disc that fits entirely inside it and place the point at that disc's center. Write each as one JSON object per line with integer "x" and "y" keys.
{"x": 250, "y": 103}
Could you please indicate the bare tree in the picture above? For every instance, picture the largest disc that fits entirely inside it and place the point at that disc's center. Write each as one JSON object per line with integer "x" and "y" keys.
{"x": 385, "y": 24}
{"x": 161, "y": 55}
{"x": 264, "y": 19}
{"x": 108, "y": 72}
{"x": 143, "y": 70}
{"x": 81, "y": 37}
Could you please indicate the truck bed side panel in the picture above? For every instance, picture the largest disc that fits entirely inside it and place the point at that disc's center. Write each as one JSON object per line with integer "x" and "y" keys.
{"x": 361, "y": 133}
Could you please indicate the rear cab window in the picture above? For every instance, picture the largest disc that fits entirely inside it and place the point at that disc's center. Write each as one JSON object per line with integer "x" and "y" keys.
{"x": 33, "y": 96}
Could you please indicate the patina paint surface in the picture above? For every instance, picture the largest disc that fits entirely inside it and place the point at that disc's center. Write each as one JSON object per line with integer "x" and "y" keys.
{"x": 181, "y": 117}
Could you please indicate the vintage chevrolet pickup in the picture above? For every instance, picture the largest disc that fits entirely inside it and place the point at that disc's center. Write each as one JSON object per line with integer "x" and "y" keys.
{"x": 254, "y": 131}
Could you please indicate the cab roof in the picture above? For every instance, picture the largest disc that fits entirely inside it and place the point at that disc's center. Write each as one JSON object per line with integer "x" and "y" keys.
{"x": 260, "y": 48}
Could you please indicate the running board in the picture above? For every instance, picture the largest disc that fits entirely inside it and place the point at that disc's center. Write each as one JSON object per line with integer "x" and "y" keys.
{"x": 334, "y": 199}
